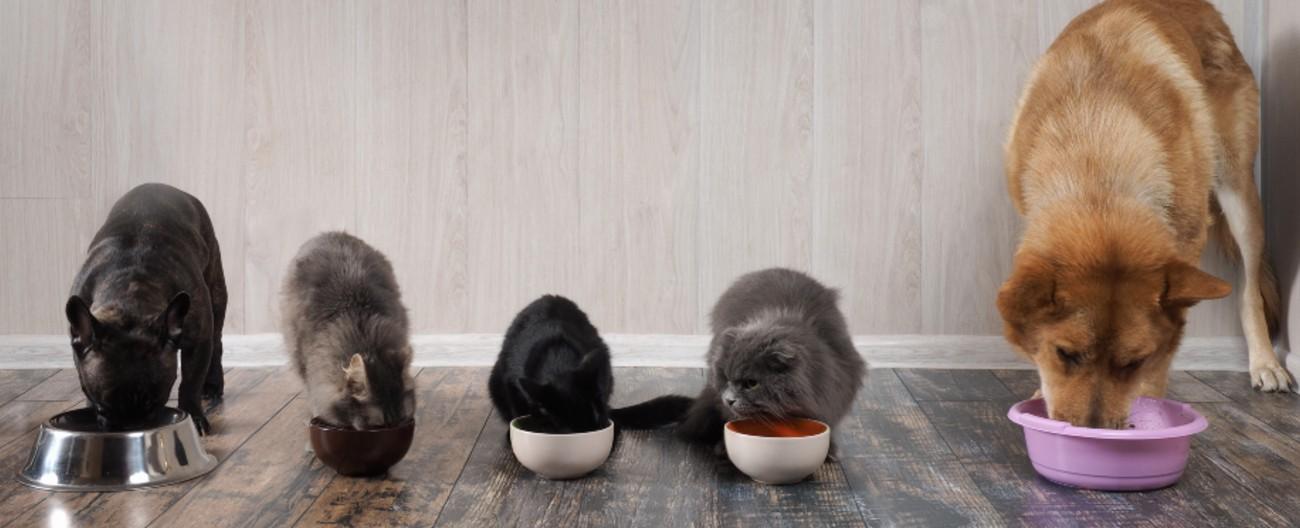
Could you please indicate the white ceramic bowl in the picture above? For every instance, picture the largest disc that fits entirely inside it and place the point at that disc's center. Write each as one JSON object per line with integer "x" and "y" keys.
{"x": 777, "y": 453}
{"x": 560, "y": 456}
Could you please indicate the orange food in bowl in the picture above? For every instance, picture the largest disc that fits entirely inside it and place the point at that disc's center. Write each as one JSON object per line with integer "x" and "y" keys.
{"x": 792, "y": 428}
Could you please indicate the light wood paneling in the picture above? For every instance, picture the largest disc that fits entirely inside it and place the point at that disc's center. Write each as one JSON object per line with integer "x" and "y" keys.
{"x": 411, "y": 179}
{"x": 43, "y": 248}
{"x": 636, "y": 155}
{"x": 523, "y": 151}
{"x": 300, "y": 108}
{"x": 975, "y": 56}
{"x": 168, "y": 80}
{"x": 867, "y": 166}
{"x": 639, "y": 163}
{"x": 44, "y": 99}
{"x": 756, "y": 74}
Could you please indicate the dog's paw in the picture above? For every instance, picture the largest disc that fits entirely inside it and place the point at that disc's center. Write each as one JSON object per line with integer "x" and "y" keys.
{"x": 213, "y": 392}
{"x": 1037, "y": 394}
{"x": 201, "y": 423}
{"x": 1271, "y": 378}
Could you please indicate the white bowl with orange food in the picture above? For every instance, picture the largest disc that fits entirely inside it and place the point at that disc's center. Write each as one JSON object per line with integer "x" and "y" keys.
{"x": 777, "y": 452}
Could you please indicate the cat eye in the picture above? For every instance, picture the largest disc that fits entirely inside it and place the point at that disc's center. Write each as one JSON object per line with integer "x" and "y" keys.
{"x": 748, "y": 384}
{"x": 1067, "y": 357}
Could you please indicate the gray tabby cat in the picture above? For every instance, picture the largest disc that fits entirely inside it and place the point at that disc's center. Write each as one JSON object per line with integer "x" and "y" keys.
{"x": 346, "y": 331}
{"x": 780, "y": 349}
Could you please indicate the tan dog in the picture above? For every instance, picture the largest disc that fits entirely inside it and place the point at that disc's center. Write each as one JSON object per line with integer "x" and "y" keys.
{"x": 1135, "y": 134}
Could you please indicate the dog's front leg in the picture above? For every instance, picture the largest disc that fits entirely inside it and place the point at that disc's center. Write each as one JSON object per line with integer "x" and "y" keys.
{"x": 194, "y": 371}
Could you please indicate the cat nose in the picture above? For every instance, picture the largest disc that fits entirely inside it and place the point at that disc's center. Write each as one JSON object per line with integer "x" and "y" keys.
{"x": 730, "y": 401}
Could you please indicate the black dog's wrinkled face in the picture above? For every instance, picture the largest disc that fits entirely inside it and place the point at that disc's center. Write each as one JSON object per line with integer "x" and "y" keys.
{"x": 127, "y": 366}
{"x": 570, "y": 402}
{"x": 757, "y": 372}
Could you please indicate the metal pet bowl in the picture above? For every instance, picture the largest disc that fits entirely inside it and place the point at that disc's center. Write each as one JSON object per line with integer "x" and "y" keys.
{"x": 73, "y": 454}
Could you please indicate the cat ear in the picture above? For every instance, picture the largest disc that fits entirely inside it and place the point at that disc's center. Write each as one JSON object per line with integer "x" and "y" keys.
{"x": 724, "y": 339}
{"x": 781, "y": 358}
{"x": 81, "y": 323}
{"x": 173, "y": 318}
{"x": 354, "y": 376}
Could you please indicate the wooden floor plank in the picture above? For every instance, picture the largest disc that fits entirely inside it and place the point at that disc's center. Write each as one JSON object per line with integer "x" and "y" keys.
{"x": 63, "y": 385}
{"x": 19, "y": 418}
{"x": 233, "y": 421}
{"x": 899, "y": 468}
{"x": 632, "y": 490}
{"x": 452, "y": 407}
{"x": 1281, "y": 411}
{"x": 954, "y": 385}
{"x": 13, "y": 383}
{"x": 269, "y": 481}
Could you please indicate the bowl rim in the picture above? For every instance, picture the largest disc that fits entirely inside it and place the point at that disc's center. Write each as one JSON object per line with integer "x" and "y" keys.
{"x": 49, "y": 425}
{"x": 514, "y": 427}
{"x": 1034, "y": 422}
{"x": 318, "y": 424}
{"x": 826, "y": 430}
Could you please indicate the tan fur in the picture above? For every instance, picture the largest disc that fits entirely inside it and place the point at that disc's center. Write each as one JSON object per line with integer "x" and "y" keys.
{"x": 1138, "y": 116}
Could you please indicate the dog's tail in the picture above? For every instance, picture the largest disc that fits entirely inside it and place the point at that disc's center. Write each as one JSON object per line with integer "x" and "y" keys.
{"x": 1268, "y": 288}
{"x": 654, "y": 413}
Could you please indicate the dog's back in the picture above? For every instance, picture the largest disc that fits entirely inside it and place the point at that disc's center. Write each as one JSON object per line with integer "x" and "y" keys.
{"x": 1123, "y": 107}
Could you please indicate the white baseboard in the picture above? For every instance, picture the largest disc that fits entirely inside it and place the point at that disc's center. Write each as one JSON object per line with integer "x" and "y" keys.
{"x": 654, "y": 350}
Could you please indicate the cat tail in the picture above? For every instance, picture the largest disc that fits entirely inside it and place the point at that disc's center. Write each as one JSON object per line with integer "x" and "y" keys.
{"x": 654, "y": 413}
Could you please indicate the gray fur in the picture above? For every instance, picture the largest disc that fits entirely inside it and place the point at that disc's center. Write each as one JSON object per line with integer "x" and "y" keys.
{"x": 341, "y": 299}
{"x": 780, "y": 349}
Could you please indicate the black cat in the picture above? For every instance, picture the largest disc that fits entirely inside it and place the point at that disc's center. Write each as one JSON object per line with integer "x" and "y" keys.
{"x": 555, "y": 367}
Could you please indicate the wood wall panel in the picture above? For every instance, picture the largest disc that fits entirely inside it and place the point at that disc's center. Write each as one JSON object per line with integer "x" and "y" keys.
{"x": 639, "y": 164}
{"x": 300, "y": 108}
{"x": 635, "y": 155}
{"x": 756, "y": 74}
{"x": 411, "y": 175}
{"x": 867, "y": 163}
{"x": 975, "y": 56}
{"x": 523, "y": 204}
{"x": 44, "y": 98}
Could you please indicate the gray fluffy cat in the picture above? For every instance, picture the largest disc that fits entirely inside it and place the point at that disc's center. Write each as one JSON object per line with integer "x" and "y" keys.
{"x": 346, "y": 331}
{"x": 780, "y": 349}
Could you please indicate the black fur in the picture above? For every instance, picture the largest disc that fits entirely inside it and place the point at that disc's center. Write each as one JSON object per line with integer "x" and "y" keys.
{"x": 554, "y": 366}
{"x": 152, "y": 284}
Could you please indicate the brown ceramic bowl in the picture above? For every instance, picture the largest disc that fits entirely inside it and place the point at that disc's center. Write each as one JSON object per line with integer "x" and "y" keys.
{"x": 359, "y": 453}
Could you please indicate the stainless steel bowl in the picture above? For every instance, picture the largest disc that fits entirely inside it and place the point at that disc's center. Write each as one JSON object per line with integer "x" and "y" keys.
{"x": 73, "y": 454}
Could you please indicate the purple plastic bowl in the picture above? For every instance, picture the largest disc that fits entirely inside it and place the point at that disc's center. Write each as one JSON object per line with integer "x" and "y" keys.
{"x": 1150, "y": 454}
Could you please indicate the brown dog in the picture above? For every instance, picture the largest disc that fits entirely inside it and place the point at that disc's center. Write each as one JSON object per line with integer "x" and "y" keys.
{"x": 1136, "y": 131}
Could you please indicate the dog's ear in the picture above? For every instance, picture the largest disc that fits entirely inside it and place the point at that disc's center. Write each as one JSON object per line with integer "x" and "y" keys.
{"x": 1186, "y": 284}
{"x": 81, "y": 323}
{"x": 1030, "y": 290}
{"x": 174, "y": 316}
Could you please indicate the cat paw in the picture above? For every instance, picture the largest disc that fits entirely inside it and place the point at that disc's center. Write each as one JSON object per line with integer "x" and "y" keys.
{"x": 1037, "y": 394}
{"x": 1271, "y": 378}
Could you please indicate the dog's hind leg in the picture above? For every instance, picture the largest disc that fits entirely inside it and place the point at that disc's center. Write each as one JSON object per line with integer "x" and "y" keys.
{"x": 1241, "y": 210}
{"x": 1237, "y": 117}
{"x": 214, "y": 386}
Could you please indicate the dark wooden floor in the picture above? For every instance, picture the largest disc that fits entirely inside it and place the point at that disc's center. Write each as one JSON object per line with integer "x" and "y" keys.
{"x": 923, "y": 448}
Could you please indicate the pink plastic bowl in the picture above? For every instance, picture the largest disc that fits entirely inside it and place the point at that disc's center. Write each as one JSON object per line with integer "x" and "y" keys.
{"x": 1150, "y": 454}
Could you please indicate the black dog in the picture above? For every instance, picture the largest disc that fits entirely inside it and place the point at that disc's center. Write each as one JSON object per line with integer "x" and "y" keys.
{"x": 152, "y": 284}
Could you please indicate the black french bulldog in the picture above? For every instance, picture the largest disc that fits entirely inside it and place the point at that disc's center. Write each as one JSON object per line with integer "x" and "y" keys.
{"x": 152, "y": 284}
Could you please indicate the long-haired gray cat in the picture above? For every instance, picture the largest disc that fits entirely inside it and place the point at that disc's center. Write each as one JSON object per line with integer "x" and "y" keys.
{"x": 346, "y": 331}
{"x": 780, "y": 349}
